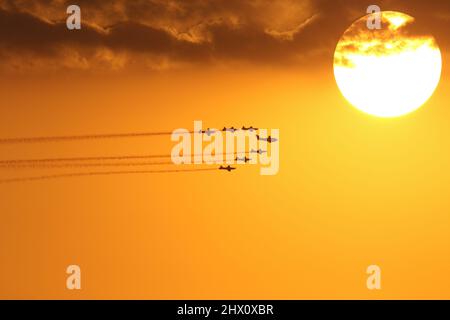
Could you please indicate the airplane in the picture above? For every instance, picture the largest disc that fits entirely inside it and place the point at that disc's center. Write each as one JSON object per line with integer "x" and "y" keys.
{"x": 258, "y": 151}
{"x": 232, "y": 129}
{"x": 249, "y": 128}
{"x": 229, "y": 168}
{"x": 269, "y": 139}
{"x": 245, "y": 159}
{"x": 208, "y": 131}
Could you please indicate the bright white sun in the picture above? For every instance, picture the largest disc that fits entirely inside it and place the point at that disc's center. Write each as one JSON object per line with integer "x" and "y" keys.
{"x": 387, "y": 72}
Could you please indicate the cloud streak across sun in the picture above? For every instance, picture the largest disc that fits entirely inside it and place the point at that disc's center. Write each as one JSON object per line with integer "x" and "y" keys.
{"x": 393, "y": 38}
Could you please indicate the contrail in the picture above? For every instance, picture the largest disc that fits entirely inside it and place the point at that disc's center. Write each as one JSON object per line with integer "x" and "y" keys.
{"x": 92, "y": 136}
{"x": 125, "y": 157}
{"x": 82, "y": 137}
{"x": 85, "y": 159}
{"x": 81, "y": 165}
{"x": 99, "y": 173}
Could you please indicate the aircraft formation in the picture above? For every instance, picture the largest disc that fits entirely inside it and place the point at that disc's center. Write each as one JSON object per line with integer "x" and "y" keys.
{"x": 89, "y": 161}
{"x": 209, "y": 131}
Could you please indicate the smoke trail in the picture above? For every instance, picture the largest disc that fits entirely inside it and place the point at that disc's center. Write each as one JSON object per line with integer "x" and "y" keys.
{"x": 125, "y": 157}
{"x": 99, "y": 173}
{"x": 92, "y": 137}
{"x": 84, "y": 159}
{"x": 81, "y": 137}
{"x": 80, "y": 165}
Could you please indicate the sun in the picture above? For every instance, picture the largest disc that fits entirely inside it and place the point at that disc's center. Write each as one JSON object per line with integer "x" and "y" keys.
{"x": 387, "y": 72}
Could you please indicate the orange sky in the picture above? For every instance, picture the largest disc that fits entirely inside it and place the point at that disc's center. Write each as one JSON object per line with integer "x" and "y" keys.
{"x": 352, "y": 190}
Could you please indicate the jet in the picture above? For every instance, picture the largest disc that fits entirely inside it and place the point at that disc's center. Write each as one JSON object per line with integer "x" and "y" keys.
{"x": 249, "y": 128}
{"x": 229, "y": 168}
{"x": 258, "y": 151}
{"x": 208, "y": 131}
{"x": 269, "y": 139}
{"x": 245, "y": 159}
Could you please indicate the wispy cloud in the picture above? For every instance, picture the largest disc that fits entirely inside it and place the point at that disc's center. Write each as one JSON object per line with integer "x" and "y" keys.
{"x": 159, "y": 34}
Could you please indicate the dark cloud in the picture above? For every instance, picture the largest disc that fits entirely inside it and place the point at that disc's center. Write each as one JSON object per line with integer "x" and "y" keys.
{"x": 173, "y": 32}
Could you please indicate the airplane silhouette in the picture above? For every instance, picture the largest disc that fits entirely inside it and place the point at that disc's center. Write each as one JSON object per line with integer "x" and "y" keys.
{"x": 258, "y": 151}
{"x": 245, "y": 159}
{"x": 208, "y": 131}
{"x": 249, "y": 128}
{"x": 232, "y": 129}
{"x": 268, "y": 139}
{"x": 229, "y": 168}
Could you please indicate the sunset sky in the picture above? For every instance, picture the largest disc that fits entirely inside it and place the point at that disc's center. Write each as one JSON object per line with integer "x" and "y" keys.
{"x": 353, "y": 190}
